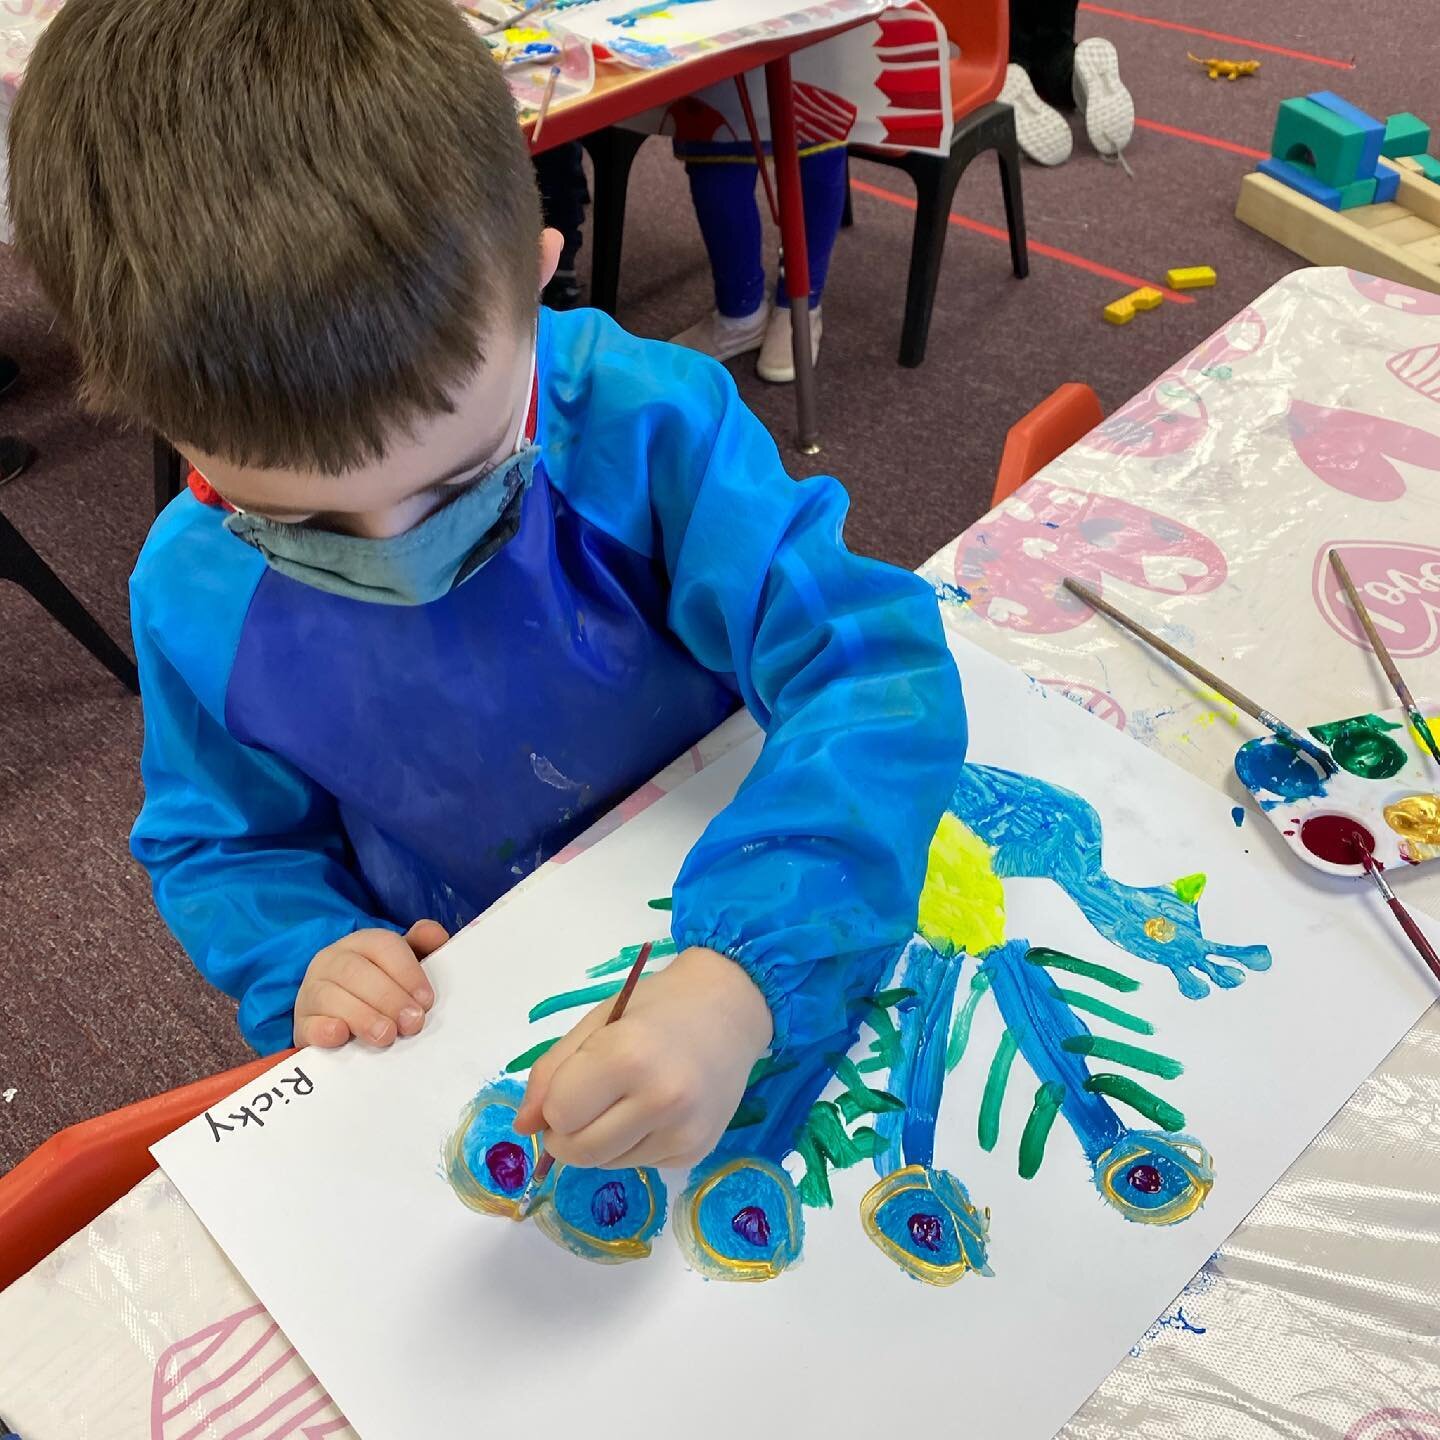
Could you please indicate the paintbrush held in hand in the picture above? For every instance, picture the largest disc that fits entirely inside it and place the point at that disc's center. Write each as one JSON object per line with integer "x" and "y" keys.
{"x": 537, "y": 1179}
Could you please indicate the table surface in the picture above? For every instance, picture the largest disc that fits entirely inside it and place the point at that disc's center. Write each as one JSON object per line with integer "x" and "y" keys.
{"x": 1312, "y": 418}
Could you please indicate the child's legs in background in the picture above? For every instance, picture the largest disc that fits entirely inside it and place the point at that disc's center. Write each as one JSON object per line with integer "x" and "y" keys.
{"x": 1042, "y": 43}
{"x": 722, "y": 188}
{"x": 822, "y": 182}
{"x": 564, "y": 194}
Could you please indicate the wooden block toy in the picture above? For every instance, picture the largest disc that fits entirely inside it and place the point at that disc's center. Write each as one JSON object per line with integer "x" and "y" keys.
{"x": 1329, "y": 148}
{"x": 1190, "y": 277}
{"x": 1405, "y": 134}
{"x": 1122, "y": 311}
{"x": 1430, "y": 165}
{"x": 1387, "y": 181}
{"x": 1302, "y": 180}
{"x": 1397, "y": 239}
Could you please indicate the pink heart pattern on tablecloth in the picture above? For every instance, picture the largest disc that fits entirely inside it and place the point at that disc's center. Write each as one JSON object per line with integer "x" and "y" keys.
{"x": 1419, "y": 368}
{"x": 1395, "y": 1423}
{"x": 1239, "y": 340}
{"x": 1099, "y": 703}
{"x": 1400, "y": 585}
{"x": 1394, "y": 296}
{"x": 1011, "y": 565}
{"x": 1164, "y": 420}
{"x": 239, "y": 1376}
{"x": 1352, "y": 450}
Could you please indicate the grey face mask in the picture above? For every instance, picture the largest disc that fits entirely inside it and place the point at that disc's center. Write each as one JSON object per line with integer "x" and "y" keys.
{"x": 412, "y": 568}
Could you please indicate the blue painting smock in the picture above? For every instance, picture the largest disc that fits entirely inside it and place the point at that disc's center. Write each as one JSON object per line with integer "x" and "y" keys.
{"x": 316, "y": 765}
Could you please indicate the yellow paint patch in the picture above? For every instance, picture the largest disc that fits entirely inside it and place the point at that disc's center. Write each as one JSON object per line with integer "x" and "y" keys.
{"x": 1159, "y": 929}
{"x": 1432, "y": 724}
{"x": 1416, "y": 817}
{"x": 962, "y": 906}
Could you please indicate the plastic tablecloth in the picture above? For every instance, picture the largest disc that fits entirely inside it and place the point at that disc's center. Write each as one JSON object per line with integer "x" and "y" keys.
{"x": 1205, "y": 504}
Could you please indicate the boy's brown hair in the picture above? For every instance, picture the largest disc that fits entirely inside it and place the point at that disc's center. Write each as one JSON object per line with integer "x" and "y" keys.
{"x": 278, "y": 231}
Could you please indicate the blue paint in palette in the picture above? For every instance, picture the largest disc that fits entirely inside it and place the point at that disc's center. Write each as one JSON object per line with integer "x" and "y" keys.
{"x": 1276, "y": 775}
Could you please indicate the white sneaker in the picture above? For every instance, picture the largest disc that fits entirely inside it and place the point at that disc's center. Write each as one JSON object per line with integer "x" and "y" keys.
{"x": 1043, "y": 134}
{"x": 723, "y": 338}
{"x": 777, "y": 356}
{"x": 1102, "y": 97}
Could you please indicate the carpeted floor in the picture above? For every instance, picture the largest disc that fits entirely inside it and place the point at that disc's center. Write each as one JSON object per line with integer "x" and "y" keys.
{"x": 97, "y": 1005}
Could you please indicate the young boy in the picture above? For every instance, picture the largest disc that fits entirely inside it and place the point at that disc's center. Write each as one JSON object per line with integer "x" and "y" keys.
{"x": 478, "y": 570}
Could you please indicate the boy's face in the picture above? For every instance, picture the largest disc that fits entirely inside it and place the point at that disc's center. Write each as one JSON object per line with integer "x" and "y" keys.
{"x": 421, "y": 470}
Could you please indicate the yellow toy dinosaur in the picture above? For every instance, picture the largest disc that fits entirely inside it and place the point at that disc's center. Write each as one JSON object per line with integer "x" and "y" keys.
{"x": 1230, "y": 69}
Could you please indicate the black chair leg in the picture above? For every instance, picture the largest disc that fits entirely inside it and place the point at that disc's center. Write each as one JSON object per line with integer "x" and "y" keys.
{"x": 612, "y": 152}
{"x": 20, "y": 563}
{"x": 1008, "y": 154}
{"x": 935, "y": 180}
{"x": 169, "y": 473}
{"x": 847, "y": 215}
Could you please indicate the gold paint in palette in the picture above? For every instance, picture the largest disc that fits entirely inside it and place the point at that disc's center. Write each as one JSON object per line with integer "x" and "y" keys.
{"x": 1416, "y": 819}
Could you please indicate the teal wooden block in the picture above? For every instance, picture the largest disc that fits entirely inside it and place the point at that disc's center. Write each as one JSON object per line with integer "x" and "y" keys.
{"x": 1405, "y": 134}
{"x": 1358, "y": 192}
{"x": 1328, "y": 147}
{"x": 1431, "y": 166}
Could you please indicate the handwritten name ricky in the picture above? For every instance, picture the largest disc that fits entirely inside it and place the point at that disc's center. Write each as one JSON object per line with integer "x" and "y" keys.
{"x": 258, "y": 1106}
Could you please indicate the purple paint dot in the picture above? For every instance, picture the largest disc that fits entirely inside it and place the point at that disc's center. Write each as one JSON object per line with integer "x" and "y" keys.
{"x": 752, "y": 1225}
{"x": 508, "y": 1165}
{"x": 1145, "y": 1178}
{"x": 608, "y": 1204}
{"x": 926, "y": 1230}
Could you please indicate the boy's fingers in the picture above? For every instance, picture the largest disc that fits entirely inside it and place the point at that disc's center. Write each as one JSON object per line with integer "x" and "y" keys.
{"x": 530, "y": 1117}
{"x": 323, "y": 1031}
{"x": 365, "y": 1022}
{"x": 424, "y": 937}
{"x": 581, "y": 1091}
{"x": 367, "y": 981}
{"x": 390, "y": 954}
{"x": 619, "y": 1130}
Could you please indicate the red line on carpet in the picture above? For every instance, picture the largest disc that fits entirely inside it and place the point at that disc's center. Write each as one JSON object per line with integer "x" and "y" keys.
{"x": 1199, "y": 139}
{"x": 1036, "y": 247}
{"x": 1217, "y": 35}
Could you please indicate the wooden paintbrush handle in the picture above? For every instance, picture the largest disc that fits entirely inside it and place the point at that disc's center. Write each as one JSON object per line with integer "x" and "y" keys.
{"x": 1193, "y": 667}
{"x": 1417, "y": 936}
{"x": 1392, "y": 673}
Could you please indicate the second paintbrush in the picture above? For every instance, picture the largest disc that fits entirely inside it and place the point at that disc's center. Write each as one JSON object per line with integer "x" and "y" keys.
{"x": 1277, "y": 727}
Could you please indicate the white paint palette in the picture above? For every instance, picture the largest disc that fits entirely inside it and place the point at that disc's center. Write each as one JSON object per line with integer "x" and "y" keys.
{"x": 1388, "y": 782}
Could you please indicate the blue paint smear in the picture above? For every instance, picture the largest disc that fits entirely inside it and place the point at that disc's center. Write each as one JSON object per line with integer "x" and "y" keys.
{"x": 1036, "y": 829}
{"x": 955, "y": 594}
{"x": 497, "y": 1158}
{"x": 1237, "y": 814}
{"x": 1040, "y": 1021}
{"x": 1277, "y": 775}
{"x": 918, "y": 1077}
{"x": 610, "y": 1204}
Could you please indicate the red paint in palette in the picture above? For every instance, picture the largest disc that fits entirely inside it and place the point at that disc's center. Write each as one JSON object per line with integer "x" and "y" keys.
{"x": 1337, "y": 839}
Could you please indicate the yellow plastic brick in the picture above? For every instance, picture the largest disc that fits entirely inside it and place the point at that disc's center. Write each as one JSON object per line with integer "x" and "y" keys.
{"x": 1190, "y": 277}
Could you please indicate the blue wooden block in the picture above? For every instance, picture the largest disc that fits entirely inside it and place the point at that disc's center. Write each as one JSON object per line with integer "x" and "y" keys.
{"x": 1326, "y": 195}
{"x": 1374, "y": 129}
{"x": 1387, "y": 184}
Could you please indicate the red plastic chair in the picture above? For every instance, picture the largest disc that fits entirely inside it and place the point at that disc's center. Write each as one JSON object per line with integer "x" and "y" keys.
{"x": 1049, "y": 430}
{"x": 76, "y": 1175}
{"x": 981, "y": 28}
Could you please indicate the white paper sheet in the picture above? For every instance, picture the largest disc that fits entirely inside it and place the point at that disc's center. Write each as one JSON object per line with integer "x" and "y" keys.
{"x": 414, "y": 1311}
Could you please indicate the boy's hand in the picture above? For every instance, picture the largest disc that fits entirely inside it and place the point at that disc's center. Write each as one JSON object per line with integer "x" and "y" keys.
{"x": 369, "y": 985}
{"x": 659, "y": 1086}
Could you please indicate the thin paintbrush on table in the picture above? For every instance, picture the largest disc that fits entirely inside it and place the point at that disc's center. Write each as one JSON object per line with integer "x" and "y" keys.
{"x": 1277, "y": 727}
{"x": 537, "y": 1178}
{"x": 1392, "y": 670}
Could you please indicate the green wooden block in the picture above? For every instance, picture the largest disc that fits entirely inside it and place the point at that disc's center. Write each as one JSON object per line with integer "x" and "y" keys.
{"x": 1358, "y": 192}
{"x": 1324, "y": 145}
{"x": 1431, "y": 166}
{"x": 1405, "y": 134}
